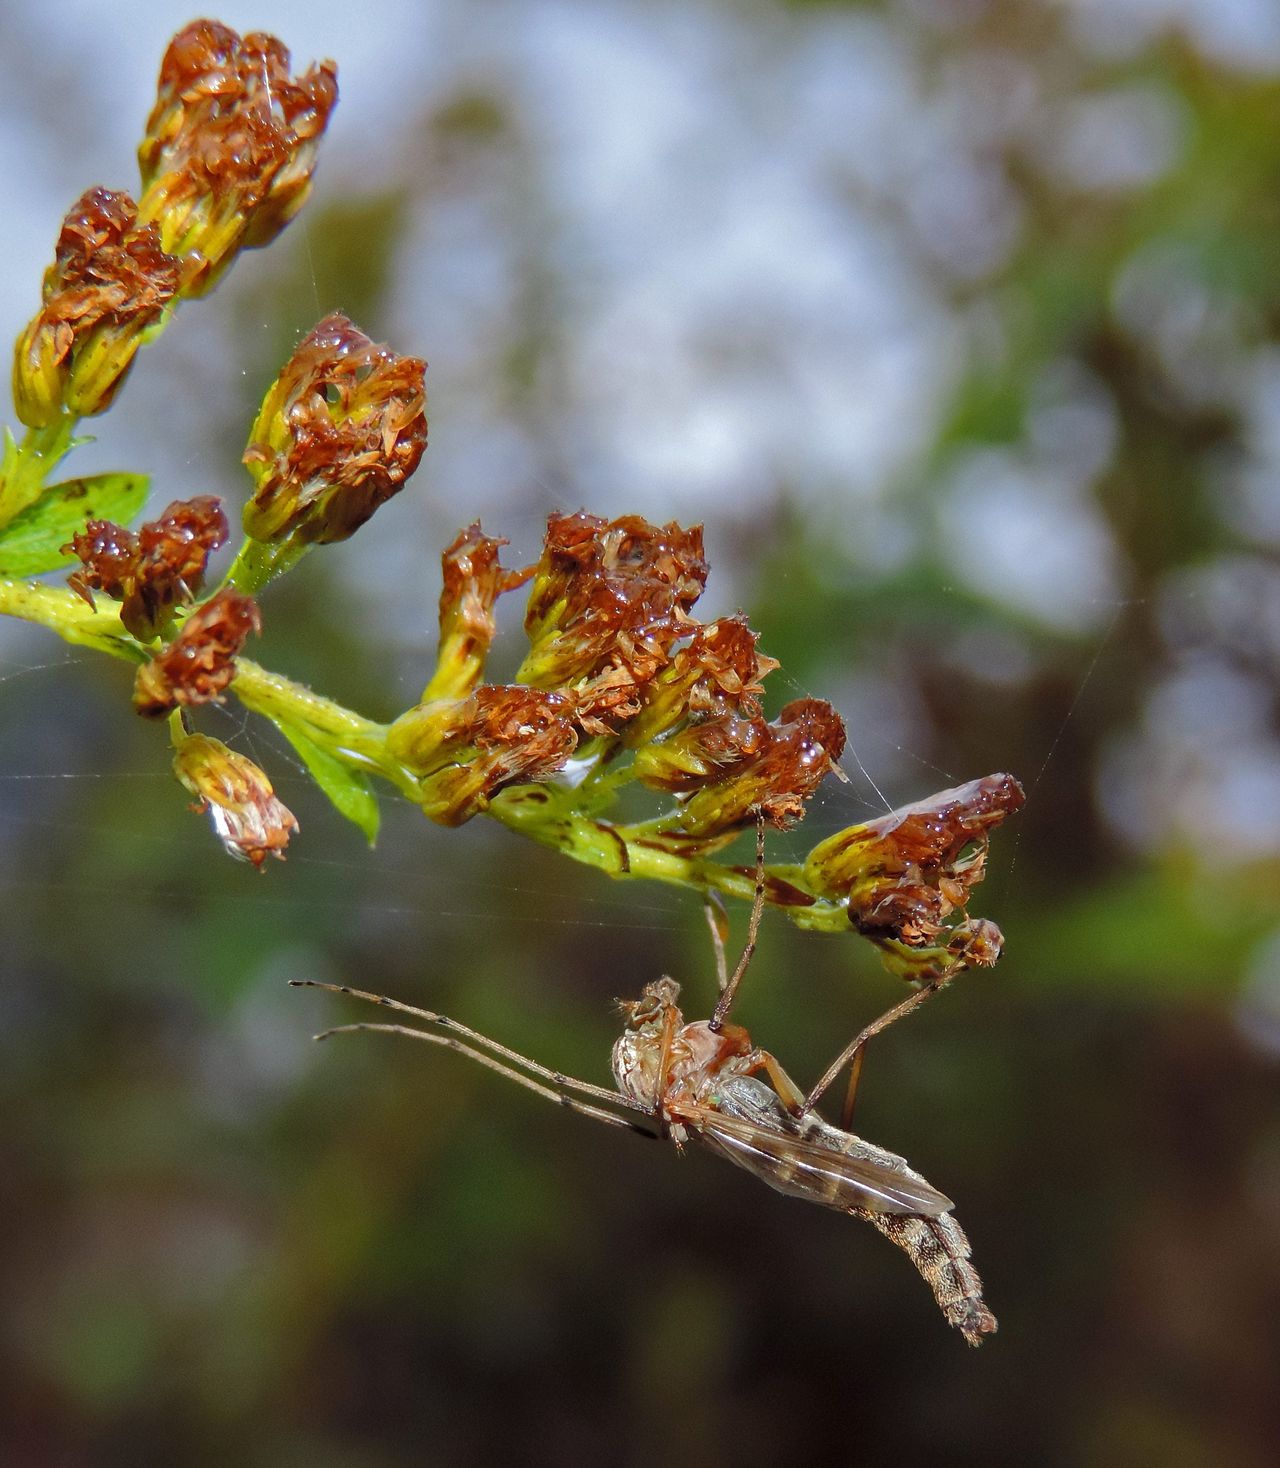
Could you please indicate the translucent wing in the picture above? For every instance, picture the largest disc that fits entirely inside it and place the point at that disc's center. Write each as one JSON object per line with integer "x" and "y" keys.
{"x": 825, "y": 1166}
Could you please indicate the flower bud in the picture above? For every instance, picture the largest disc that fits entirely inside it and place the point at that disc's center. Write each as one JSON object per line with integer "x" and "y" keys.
{"x": 473, "y": 580}
{"x": 247, "y": 818}
{"x": 776, "y": 776}
{"x": 608, "y": 602}
{"x": 905, "y": 873}
{"x": 110, "y": 281}
{"x": 200, "y": 662}
{"x": 155, "y": 571}
{"x": 465, "y": 751}
{"x": 702, "y": 753}
{"x": 719, "y": 673}
{"x": 971, "y": 943}
{"x": 338, "y": 433}
{"x": 230, "y": 145}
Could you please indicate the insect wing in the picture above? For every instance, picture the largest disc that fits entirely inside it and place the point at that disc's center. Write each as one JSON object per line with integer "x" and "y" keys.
{"x": 803, "y": 1168}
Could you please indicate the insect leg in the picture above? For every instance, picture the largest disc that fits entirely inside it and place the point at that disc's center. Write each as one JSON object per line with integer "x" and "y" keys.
{"x": 728, "y": 991}
{"x": 851, "y": 1052}
{"x": 473, "y": 1037}
{"x": 718, "y": 922}
{"x": 851, "y": 1094}
{"x": 791, "y": 1095}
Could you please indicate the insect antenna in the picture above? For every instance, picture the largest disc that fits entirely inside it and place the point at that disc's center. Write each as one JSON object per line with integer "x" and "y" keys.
{"x": 552, "y": 1085}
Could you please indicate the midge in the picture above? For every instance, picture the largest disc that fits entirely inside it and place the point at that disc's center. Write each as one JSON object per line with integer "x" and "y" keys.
{"x": 702, "y": 1082}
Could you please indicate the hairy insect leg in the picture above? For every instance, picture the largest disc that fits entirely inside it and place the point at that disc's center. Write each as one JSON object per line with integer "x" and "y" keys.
{"x": 851, "y": 1054}
{"x": 729, "y": 990}
{"x": 560, "y": 1094}
{"x": 473, "y": 1037}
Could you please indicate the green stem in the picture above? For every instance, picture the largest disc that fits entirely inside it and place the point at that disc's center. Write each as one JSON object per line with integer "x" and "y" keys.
{"x": 257, "y": 562}
{"x": 73, "y": 619}
{"x": 349, "y": 737}
{"x": 29, "y": 463}
{"x": 546, "y": 816}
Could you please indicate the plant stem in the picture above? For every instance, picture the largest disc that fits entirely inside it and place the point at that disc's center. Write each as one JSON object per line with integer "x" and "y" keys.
{"x": 73, "y": 619}
{"x": 545, "y": 817}
{"x": 28, "y": 466}
{"x": 258, "y": 562}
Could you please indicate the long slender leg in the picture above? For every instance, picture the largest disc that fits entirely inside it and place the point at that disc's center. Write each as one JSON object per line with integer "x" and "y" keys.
{"x": 561, "y": 1095}
{"x": 483, "y": 1042}
{"x": 729, "y": 991}
{"x": 851, "y": 1093}
{"x": 846, "y": 1056}
{"x": 718, "y": 922}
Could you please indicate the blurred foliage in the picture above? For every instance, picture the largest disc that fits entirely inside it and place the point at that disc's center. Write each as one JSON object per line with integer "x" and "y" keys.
{"x": 222, "y": 1245}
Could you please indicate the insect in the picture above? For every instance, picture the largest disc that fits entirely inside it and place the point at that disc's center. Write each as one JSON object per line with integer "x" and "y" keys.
{"x": 706, "y": 1083}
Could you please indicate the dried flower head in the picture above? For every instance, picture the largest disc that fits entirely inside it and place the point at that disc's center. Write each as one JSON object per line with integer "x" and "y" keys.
{"x": 465, "y": 751}
{"x": 110, "y": 281}
{"x": 230, "y": 145}
{"x": 905, "y": 873}
{"x": 339, "y": 432}
{"x": 473, "y": 579}
{"x": 608, "y": 602}
{"x": 774, "y": 770}
{"x": 199, "y": 663}
{"x": 718, "y": 675}
{"x": 247, "y": 818}
{"x": 154, "y": 571}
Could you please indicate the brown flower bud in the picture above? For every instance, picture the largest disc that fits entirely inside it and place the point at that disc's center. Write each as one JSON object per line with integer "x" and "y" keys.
{"x": 905, "y": 873}
{"x": 465, "y": 751}
{"x": 609, "y": 600}
{"x": 473, "y": 580}
{"x": 199, "y": 663}
{"x": 702, "y": 753}
{"x": 247, "y": 818}
{"x": 338, "y": 433}
{"x": 777, "y": 777}
{"x": 971, "y": 943}
{"x": 109, "y": 282}
{"x": 718, "y": 674}
{"x": 155, "y": 571}
{"x": 230, "y": 145}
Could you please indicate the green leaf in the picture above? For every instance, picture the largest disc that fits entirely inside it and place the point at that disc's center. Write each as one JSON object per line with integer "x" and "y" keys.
{"x": 349, "y": 790}
{"x": 8, "y": 459}
{"x": 32, "y": 541}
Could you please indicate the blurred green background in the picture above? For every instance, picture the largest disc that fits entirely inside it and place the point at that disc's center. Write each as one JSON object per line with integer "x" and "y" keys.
{"x": 957, "y": 323}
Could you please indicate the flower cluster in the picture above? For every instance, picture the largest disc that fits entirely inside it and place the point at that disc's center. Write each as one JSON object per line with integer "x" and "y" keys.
{"x": 226, "y": 162}
{"x": 618, "y": 668}
{"x": 622, "y": 687}
{"x": 109, "y": 282}
{"x": 230, "y": 145}
{"x": 154, "y": 571}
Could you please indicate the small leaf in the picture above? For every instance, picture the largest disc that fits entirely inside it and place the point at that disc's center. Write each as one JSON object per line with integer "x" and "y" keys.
{"x": 32, "y": 542}
{"x": 349, "y": 790}
{"x": 8, "y": 458}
